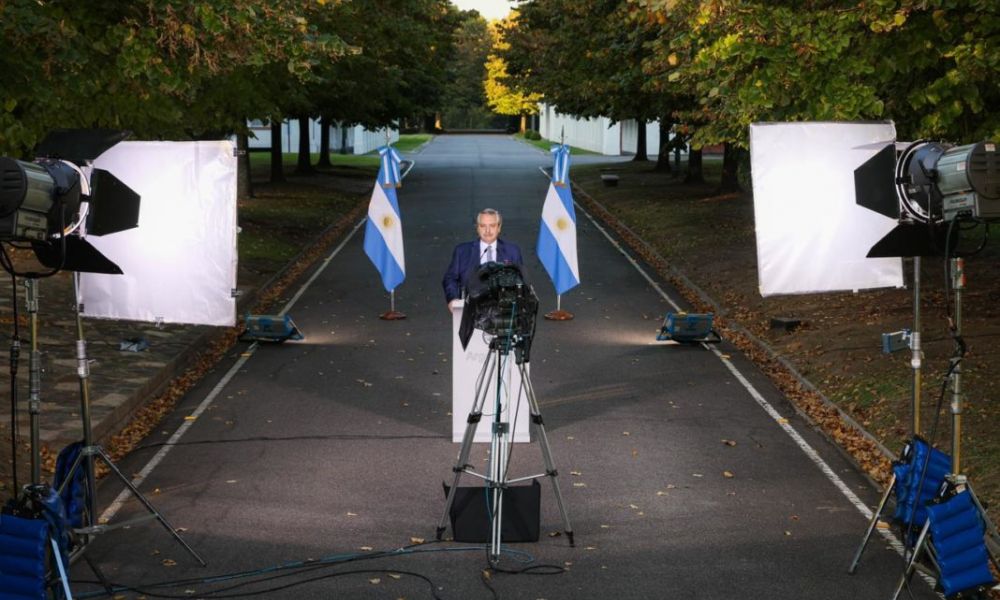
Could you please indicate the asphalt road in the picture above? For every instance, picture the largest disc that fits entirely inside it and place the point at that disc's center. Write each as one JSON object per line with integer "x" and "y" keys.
{"x": 338, "y": 445}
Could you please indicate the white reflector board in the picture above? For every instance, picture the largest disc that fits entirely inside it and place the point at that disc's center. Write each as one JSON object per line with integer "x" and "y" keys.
{"x": 811, "y": 234}
{"x": 179, "y": 264}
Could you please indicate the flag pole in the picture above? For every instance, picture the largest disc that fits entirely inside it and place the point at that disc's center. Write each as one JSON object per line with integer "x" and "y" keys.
{"x": 559, "y": 314}
{"x": 392, "y": 314}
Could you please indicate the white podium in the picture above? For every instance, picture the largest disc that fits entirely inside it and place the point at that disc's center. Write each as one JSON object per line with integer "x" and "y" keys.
{"x": 465, "y": 368}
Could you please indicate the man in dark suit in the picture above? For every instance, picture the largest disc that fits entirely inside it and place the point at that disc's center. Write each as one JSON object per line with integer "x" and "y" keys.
{"x": 468, "y": 256}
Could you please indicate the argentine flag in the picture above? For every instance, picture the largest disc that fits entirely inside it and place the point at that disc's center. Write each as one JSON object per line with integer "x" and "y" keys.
{"x": 384, "y": 230}
{"x": 557, "y": 235}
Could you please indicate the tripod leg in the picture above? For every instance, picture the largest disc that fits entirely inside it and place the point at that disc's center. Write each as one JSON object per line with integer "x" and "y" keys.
{"x": 159, "y": 517}
{"x": 871, "y": 526}
{"x": 992, "y": 536}
{"x": 912, "y": 560}
{"x": 470, "y": 433}
{"x": 543, "y": 442}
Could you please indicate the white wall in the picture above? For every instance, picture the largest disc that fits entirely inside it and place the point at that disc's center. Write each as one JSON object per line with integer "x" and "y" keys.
{"x": 630, "y": 134}
{"x": 596, "y": 135}
{"x": 359, "y": 140}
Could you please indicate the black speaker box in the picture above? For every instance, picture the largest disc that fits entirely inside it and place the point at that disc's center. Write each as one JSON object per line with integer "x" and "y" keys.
{"x": 470, "y": 517}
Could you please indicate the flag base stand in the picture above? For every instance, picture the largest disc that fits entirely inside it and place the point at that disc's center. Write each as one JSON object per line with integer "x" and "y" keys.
{"x": 392, "y": 314}
{"x": 559, "y": 315}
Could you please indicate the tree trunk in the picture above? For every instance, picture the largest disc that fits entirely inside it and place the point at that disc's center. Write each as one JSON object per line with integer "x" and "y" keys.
{"x": 730, "y": 170}
{"x": 663, "y": 154}
{"x": 324, "y": 143}
{"x": 304, "y": 166}
{"x": 694, "y": 173}
{"x": 277, "y": 172}
{"x": 640, "y": 143}
{"x": 244, "y": 189}
{"x": 429, "y": 123}
{"x": 524, "y": 123}
{"x": 343, "y": 139}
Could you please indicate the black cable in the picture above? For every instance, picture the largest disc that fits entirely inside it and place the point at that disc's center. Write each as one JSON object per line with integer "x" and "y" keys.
{"x": 292, "y": 570}
{"x": 279, "y": 588}
{"x": 295, "y": 438}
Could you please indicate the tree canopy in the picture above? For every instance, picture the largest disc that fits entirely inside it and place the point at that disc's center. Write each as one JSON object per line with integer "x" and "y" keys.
{"x": 188, "y": 68}
{"x": 715, "y": 66}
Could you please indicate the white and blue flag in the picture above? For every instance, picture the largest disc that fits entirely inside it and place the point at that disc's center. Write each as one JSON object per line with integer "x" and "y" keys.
{"x": 557, "y": 235}
{"x": 384, "y": 230}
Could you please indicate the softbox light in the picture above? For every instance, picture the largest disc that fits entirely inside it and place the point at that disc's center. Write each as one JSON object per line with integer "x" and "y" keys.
{"x": 179, "y": 264}
{"x": 812, "y": 236}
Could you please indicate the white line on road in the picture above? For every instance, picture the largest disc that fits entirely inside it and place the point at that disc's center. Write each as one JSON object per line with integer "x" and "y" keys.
{"x": 115, "y": 506}
{"x": 770, "y": 410}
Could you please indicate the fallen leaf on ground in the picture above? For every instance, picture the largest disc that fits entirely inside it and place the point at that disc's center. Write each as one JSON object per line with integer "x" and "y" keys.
{"x": 169, "y": 562}
{"x": 374, "y": 581}
{"x": 366, "y": 548}
{"x": 729, "y": 442}
{"x": 728, "y": 474}
{"x": 416, "y": 540}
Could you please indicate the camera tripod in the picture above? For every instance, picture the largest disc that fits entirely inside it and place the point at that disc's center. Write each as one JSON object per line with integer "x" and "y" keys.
{"x": 497, "y": 361}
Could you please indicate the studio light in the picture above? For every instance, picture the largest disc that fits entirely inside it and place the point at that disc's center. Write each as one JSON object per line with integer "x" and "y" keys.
{"x": 31, "y": 196}
{"x": 55, "y": 200}
{"x": 930, "y": 184}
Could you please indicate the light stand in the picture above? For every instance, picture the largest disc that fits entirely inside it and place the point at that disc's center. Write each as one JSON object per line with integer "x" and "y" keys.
{"x": 916, "y": 361}
{"x": 497, "y": 481}
{"x": 90, "y": 451}
{"x": 958, "y": 489}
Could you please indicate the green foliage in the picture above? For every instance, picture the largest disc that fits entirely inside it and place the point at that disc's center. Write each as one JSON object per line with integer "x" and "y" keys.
{"x": 464, "y": 103}
{"x": 504, "y": 93}
{"x": 531, "y": 134}
{"x": 177, "y": 68}
{"x": 928, "y": 65}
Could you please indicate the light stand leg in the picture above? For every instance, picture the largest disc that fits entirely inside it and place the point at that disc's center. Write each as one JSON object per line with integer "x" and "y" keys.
{"x": 871, "y": 526}
{"x": 475, "y": 415}
{"x": 912, "y": 560}
{"x": 991, "y": 529}
{"x": 543, "y": 443}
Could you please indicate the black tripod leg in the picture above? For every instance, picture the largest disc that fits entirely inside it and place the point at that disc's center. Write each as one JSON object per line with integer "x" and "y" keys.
{"x": 149, "y": 506}
{"x": 871, "y": 526}
{"x": 470, "y": 433}
{"x": 992, "y": 536}
{"x": 912, "y": 561}
{"x": 543, "y": 442}
{"x": 108, "y": 588}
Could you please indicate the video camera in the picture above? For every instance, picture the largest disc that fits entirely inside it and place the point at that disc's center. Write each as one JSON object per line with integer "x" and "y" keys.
{"x": 503, "y": 305}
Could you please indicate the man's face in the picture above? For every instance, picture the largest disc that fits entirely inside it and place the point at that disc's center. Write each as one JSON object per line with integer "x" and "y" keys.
{"x": 488, "y": 227}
